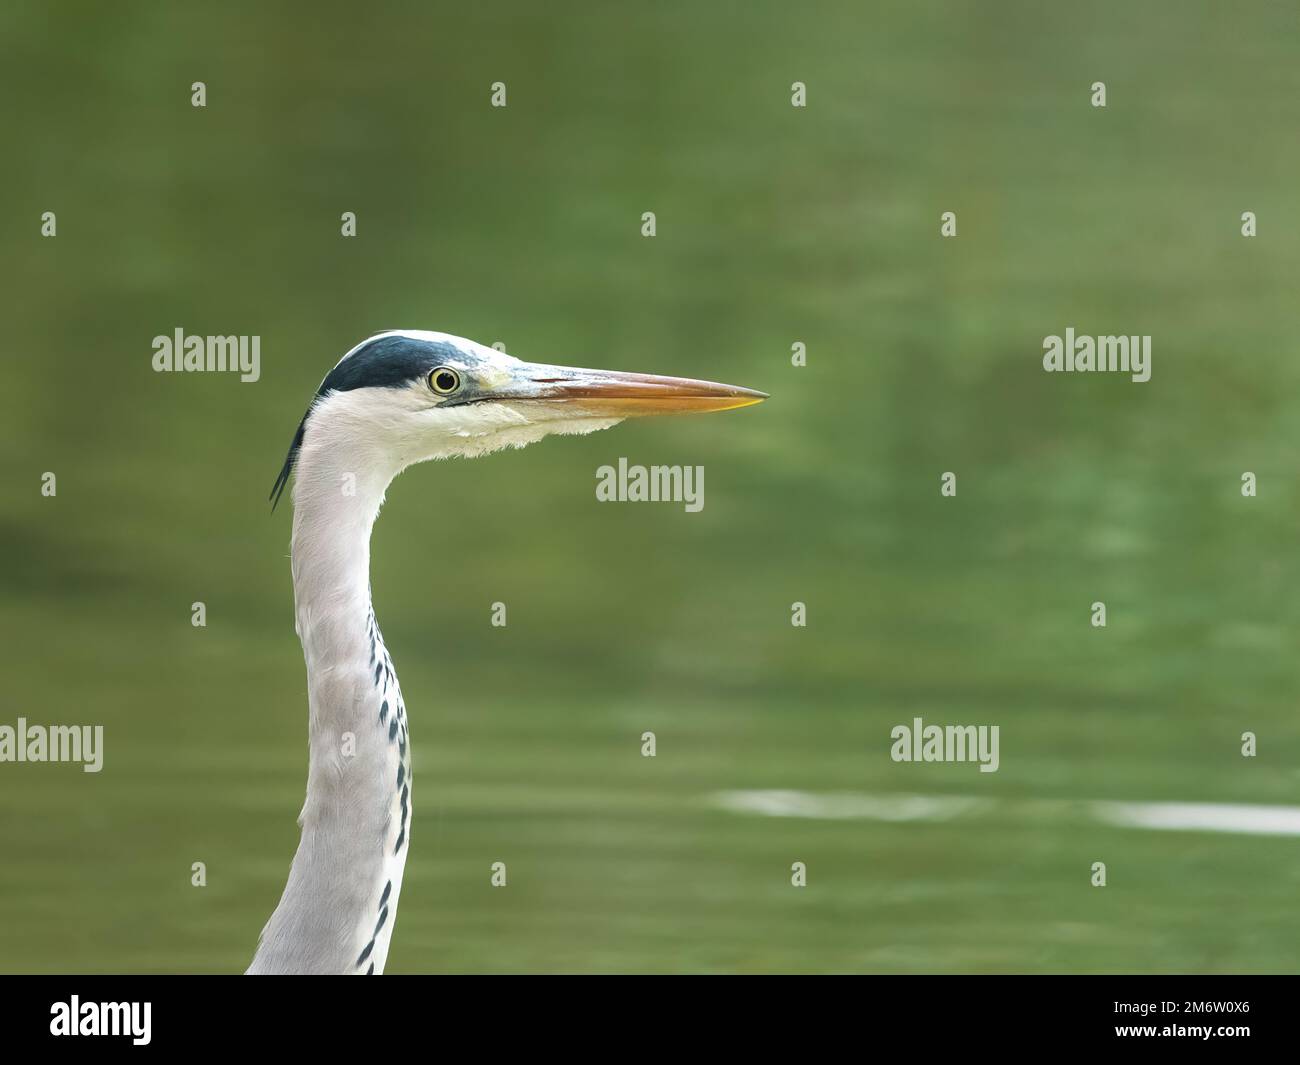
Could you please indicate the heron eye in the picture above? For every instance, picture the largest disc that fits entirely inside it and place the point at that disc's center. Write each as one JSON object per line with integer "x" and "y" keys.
{"x": 444, "y": 380}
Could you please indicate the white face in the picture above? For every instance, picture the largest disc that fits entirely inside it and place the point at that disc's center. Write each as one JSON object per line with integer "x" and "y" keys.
{"x": 408, "y": 395}
{"x": 487, "y": 408}
{"x": 413, "y": 425}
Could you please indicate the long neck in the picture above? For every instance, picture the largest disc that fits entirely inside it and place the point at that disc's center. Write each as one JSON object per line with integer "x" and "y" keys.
{"x": 340, "y": 904}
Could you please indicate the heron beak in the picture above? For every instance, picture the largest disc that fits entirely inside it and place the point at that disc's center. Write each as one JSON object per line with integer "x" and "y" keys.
{"x": 615, "y": 394}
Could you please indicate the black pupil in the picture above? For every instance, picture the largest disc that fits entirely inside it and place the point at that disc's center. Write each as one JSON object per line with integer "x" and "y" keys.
{"x": 445, "y": 380}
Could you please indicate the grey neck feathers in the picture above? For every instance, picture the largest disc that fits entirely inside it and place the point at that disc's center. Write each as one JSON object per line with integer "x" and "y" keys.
{"x": 339, "y": 906}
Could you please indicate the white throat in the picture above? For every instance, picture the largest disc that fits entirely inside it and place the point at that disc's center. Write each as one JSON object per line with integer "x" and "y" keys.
{"x": 340, "y": 903}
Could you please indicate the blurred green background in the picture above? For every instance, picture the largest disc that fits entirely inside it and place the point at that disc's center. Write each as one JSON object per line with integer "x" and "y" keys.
{"x": 776, "y": 225}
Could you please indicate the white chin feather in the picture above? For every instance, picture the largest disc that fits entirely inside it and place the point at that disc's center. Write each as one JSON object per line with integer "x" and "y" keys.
{"x": 396, "y": 427}
{"x": 468, "y": 443}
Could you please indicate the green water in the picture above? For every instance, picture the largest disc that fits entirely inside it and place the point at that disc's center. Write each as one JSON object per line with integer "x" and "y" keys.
{"x": 775, "y": 225}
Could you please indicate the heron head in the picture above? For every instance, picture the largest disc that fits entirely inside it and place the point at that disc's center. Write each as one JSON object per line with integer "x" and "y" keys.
{"x": 405, "y": 396}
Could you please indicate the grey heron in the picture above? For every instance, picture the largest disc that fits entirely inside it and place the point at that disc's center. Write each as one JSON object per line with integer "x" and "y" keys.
{"x": 398, "y": 398}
